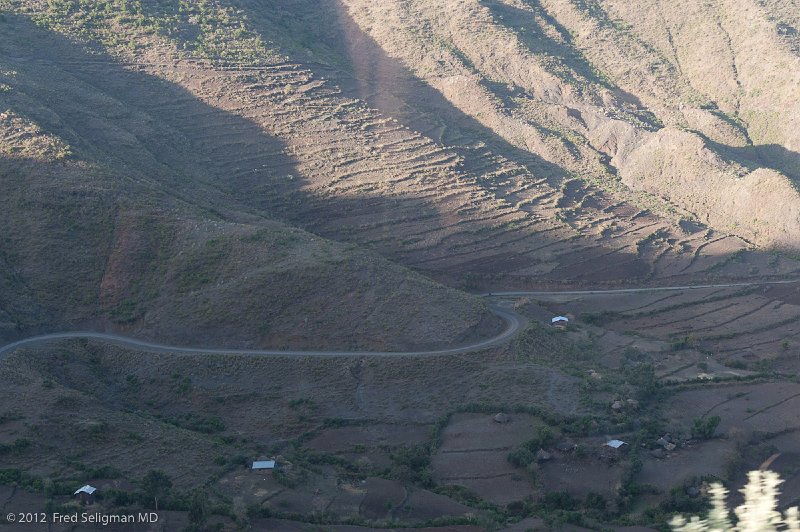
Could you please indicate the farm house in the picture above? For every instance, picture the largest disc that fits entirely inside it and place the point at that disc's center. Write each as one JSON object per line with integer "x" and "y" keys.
{"x": 85, "y": 494}
{"x": 261, "y": 465}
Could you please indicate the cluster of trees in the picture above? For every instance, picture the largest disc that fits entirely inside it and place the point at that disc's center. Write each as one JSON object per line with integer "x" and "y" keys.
{"x": 525, "y": 454}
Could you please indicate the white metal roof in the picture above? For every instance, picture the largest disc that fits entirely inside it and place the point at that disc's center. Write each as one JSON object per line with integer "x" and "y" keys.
{"x": 87, "y": 489}
{"x": 615, "y": 444}
{"x": 264, "y": 464}
{"x": 559, "y": 318}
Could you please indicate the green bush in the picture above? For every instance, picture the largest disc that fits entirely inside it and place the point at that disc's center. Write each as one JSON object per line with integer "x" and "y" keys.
{"x": 704, "y": 428}
{"x": 520, "y": 457}
{"x": 209, "y": 425}
{"x": 595, "y": 501}
{"x": 18, "y": 446}
{"x": 411, "y": 464}
{"x": 559, "y": 500}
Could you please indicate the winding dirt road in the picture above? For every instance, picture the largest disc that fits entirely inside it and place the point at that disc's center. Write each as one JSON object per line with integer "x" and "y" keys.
{"x": 514, "y": 323}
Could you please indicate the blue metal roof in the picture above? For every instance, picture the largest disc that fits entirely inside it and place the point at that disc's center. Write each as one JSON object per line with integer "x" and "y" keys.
{"x": 87, "y": 489}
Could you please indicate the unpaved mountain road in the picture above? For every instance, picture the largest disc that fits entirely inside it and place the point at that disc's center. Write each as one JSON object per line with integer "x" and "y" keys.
{"x": 514, "y": 324}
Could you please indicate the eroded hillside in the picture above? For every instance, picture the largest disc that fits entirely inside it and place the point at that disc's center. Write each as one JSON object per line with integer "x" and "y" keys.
{"x": 704, "y": 117}
{"x": 112, "y": 221}
{"x": 482, "y": 144}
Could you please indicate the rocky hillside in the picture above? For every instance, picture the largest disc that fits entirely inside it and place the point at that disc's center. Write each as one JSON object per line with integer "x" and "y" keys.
{"x": 696, "y": 105}
{"x": 110, "y": 221}
{"x": 296, "y": 173}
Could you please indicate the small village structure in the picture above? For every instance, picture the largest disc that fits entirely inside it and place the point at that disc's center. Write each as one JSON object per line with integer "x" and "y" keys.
{"x": 666, "y": 442}
{"x": 501, "y": 418}
{"x": 617, "y": 445}
{"x": 559, "y": 322}
{"x": 85, "y": 494}
{"x": 262, "y": 465}
{"x": 566, "y": 446}
{"x": 543, "y": 456}
{"x": 628, "y": 404}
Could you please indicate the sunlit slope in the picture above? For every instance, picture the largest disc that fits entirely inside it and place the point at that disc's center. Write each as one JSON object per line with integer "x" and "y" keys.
{"x": 451, "y": 138}
{"x": 597, "y": 89}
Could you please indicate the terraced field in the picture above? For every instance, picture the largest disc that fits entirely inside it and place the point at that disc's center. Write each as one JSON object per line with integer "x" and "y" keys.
{"x": 592, "y": 88}
{"x": 734, "y": 326}
{"x": 350, "y": 150}
{"x": 341, "y": 175}
{"x": 473, "y": 454}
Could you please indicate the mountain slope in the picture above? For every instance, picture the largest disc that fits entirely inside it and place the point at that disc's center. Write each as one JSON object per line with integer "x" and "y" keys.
{"x": 112, "y": 221}
{"x": 482, "y": 144}
{"x": 591, "y": 90}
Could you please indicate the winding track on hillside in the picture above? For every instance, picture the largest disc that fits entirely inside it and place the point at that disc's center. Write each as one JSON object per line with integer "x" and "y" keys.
{"x": 514, "y": 323}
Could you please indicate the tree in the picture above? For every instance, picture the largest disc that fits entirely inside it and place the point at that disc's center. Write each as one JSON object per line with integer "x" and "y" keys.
{"x": 759, "y": 512}
{"x": 704, "y": 428}
{"x": 520, "y": 457}
{"x": 198, "y": 509}
{"x": 157, "y": 484}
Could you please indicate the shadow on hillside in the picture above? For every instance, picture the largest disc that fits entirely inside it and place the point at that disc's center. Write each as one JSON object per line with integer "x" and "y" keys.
{"x": 162, "y": 136}
{"x": 140, "y": 142}
{"x": 156, "y": 133}
{"x": 540, "y": 43}
{"x": 531, "y": 33}
{"x": 363, "y": 70}
{"x": 773, "y": 156}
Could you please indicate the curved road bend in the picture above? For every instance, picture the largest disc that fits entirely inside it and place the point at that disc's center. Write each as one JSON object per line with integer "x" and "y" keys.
{"x": 513, "y": 324}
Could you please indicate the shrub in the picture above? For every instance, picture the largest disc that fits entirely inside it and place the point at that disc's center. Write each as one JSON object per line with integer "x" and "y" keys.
{"x": 559, "y": 500}
{"x": 520, "y": 457}
{"x": 208, "y": 425}
{"x": 594, "y": 501}
{"x": 704, "y": 428}
{"x": 411, "y": 463}
{"x": 18, "y": 446}
{"x": 156, "y": 484}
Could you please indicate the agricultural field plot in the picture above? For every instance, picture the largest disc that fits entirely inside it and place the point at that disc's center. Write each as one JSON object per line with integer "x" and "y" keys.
{"x": 711, "y": 458}
{"x": 345, "y": 439}
{"x": 767, "y": 408}
{"x": 579, "y": 477}
{"x": 474, "y": 451}
{"x": 725, "y": 330}
{"x": 759, "y": 425}
{"x": 604, "y": 306}
{"x": 466, "y": 432}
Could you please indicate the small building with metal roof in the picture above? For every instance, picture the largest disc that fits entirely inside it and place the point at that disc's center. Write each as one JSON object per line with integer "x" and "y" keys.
{"x": 263, "y": 464}
{"x": 85, "y": 494}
